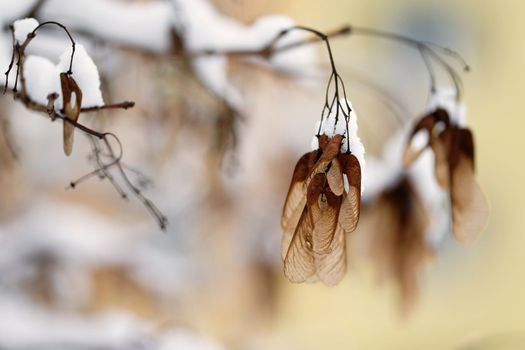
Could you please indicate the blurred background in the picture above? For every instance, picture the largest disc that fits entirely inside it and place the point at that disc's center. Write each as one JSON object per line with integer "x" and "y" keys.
{"x": 83, "y": 269}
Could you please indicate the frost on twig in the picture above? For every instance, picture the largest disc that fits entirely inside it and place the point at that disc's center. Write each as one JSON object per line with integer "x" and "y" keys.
{"x": 64, "y": 91}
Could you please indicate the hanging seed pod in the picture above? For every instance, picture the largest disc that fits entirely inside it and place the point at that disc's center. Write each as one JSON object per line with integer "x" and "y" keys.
{"x": 453, "y": 147}
{"x": 318, "y": 209}
{"x": 72, "y": 103}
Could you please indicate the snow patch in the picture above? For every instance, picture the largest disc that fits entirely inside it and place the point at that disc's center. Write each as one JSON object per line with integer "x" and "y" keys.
{"x": 384, "y": 172}
{"x": 445, "y": 97}
{"x": 43, "y": 77}
{"x": 86, "y": 75}
{"x": 334, "y": 123}
{"x": 23, "y": 27}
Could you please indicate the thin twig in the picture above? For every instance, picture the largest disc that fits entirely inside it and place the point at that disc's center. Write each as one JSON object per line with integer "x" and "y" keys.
{"x": 99, "y": 140}
{"x": 270, "y": 49}
{"x": 120, "y": 105}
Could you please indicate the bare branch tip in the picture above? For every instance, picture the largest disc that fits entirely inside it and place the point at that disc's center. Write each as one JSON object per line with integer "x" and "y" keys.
{"x": 128, "y": 104}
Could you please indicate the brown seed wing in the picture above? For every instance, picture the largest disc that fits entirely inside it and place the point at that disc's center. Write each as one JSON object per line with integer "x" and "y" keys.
{"x": 425, "y": 124}
{"x": 315, "y": 188}
{"x": 329, "y": 153}
{"x": 69, "y": 137}
{"x": 295, "y": 199}
{"x": 324, "y": 213}
{"x": 441, "y": 146}
{"x": 335, "y": 178}
{"x": 331, "y": 266}
{"x": 441, "y": 116}
{"x": 327, "y": 237}
{"x": 469, "y": 206}
{"x": 410, "y": 155}
{"x": 72, "y": 112}
{"x": 351, "y": 206}
{"x": 299, "y": 263}
{"x": 292, "y": 219}
{"x": 399, "y": 246}
{"x": 350, "y": 210}
{"x": 462, "y": 143}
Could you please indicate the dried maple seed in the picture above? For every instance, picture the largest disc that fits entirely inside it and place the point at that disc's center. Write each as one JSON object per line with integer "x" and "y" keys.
{"x": 72, "y": 103}
{"x": 453, "y": 148}
{"x": 318, "y": 211}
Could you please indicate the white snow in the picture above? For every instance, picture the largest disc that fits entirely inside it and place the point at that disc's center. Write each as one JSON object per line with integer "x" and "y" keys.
{"x": 148, "y": 26}
{"x": 384, "y": 172}
{"x": 23, "y": 27}
{"x": 185, "y": 339}
{"x": 202, "y": 28}
{"x": 445, "y": 97}
{"x": 381, "y": 174}
{"x": 419, "y": 140}
{"x": 13, "y": 9}
{"x": 86, "y": 75}
{"x": 102, "y": 241}
{"x": 434, "y": 197}
{"x": 356, "y": 146}
{"x": 145, "y": 24}
{"x": 301, "y": 61}
{"x": 43, "y": 77}
{"x": 5, "y": 56}
{"x": 334, "y": 123}
{"x": 26, "y": 325}
{"x": 213, "y": 73}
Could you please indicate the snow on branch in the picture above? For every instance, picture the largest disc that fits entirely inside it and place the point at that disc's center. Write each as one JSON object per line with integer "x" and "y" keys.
{"x": 64, "y": 91}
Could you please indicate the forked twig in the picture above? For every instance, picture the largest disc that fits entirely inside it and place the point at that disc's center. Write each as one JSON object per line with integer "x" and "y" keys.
{"x": 100, "y": 141}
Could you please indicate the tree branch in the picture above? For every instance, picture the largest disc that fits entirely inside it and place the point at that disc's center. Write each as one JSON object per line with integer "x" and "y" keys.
{"x": 100, "y": 140}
